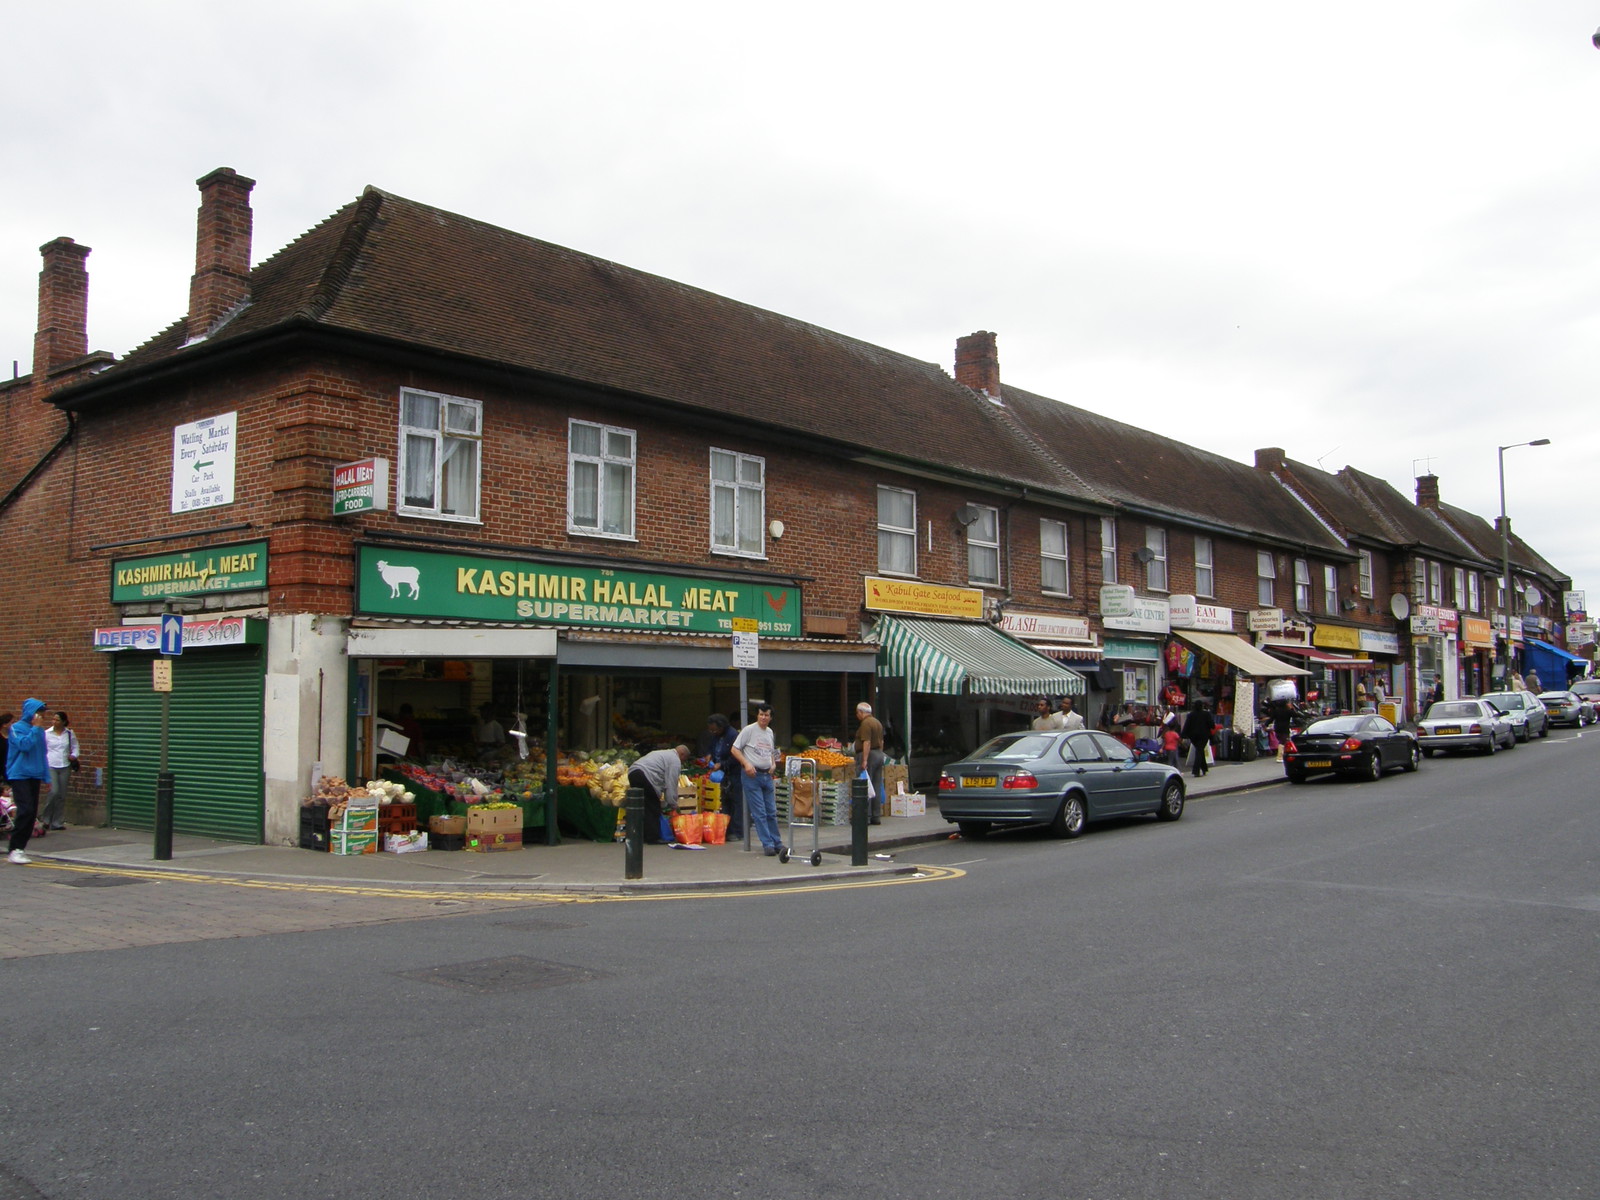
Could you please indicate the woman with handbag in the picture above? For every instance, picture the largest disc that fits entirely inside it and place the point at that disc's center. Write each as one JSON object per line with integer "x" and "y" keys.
{"x": 61, "y": 753}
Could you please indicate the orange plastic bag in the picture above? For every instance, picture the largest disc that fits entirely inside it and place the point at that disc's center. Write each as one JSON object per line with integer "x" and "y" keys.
{"x": 715, "y": 827}
{"x": 688, "y": 828}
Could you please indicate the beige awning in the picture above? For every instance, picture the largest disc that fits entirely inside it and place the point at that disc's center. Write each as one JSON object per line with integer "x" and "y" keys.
{"x": 1234, "y": 649}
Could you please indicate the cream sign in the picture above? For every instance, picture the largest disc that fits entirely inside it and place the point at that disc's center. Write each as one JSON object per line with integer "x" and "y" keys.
{"x": 1146, "y": 614}
{"x": 1188, "y": 613}
{"x": 1043, "y": 625}
{"x": 202, "y": 463}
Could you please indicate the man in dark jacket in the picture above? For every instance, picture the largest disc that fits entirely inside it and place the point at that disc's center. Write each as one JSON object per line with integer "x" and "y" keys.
{"x": 1198, "y": 727}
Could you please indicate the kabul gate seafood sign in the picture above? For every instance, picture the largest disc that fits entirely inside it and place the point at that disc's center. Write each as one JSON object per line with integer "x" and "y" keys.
{"x": 394, "y": 582}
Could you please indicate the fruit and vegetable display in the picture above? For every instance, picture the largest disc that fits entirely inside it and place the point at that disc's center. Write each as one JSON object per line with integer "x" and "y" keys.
{"x": 823, "y": 757}
{"x": 609, "y": 783}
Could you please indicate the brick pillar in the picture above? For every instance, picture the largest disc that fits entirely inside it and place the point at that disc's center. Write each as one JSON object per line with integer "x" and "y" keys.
{"x": 1428, "y": 492}
{"x": 63, "y": 333}
{"x": 978, "y": 363}
{"x": 1269, "y": 458}
{"x": 222, "y": 248}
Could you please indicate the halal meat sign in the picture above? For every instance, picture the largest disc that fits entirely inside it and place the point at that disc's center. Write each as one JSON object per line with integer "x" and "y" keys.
{"x": 361, "y": 486}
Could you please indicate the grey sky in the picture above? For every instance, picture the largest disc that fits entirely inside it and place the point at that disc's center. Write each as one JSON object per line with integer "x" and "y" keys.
{"x": 1365, "y": 232}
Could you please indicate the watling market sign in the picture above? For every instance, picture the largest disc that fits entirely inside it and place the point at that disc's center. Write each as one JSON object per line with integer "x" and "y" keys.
{"x": 393, "y": 582}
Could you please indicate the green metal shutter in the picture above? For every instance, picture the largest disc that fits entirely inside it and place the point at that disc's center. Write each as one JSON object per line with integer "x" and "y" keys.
{"x": 215, "y": 730}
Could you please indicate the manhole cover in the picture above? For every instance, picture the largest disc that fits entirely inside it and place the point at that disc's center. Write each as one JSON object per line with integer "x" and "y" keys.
{"x": 98, "y": 880}
{"x": 513, "y": 973}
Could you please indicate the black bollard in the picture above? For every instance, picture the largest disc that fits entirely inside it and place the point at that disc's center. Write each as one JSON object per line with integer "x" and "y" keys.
{"x": 163, "y": 847}
{"x": 633, "y": 834}
{"x": 858, "y": 822}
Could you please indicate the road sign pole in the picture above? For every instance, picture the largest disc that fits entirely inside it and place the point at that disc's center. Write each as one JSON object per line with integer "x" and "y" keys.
{"x": 163, "y": 847}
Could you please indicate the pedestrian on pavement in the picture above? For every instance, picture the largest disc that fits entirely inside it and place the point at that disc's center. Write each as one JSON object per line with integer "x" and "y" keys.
{"x": 869, "y": 757}
{"x": 1198, "y": 727}
{"x": 656, "y": 775}
{"x": 1282, "y": 718}
{"x": 26, "y": 769}
{"x": 721, "y": 754}
{"x": 757, "y": 752}
{"x": 1532, "y": 681}
{"x": 61, "y": 755}
{"x": 1043, "y": 718}
{"x": 1069, "y": 718}
{"x": 1170, "y": 737}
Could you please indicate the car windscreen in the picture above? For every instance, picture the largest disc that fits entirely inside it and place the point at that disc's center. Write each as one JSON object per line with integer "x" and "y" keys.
{"x": 1504, "y": 701}
{"x": 1015, "y": 747}
{"x": 1587, "y": 687}
{"x": 1448, "y": 711}
{"x": 1337, "y": 725}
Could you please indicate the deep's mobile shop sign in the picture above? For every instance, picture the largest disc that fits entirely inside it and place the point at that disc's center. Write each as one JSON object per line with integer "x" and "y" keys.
{"x": 396, "y": 582}
{"x": 237, "y": 568}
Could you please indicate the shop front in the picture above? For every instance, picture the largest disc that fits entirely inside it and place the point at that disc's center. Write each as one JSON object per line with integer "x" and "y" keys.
{"x": 524, "y": 673}
{"x": 1130, "y": 680}
{"x": 1387, "y": 681}
{"x": 1234, "y": 675}
{"x": 1435, "y": 650}
{"x": 1477, "y": 656}
{"x": 1339, "y": 673}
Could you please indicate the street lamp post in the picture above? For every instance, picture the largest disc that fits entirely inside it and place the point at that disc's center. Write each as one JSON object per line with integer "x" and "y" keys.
{"x": 1505, "y": 560}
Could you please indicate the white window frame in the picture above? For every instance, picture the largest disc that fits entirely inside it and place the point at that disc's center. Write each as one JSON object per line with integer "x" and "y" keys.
{"x": 1435, "y": 583}
{"x": 983, "y": 542}
{"x": 744, "y": 493}
{"x": 1050, "y": 555}
{"x": 1474, "y": 592}
{"x": 1266, "y": 579}
{"x": 1459, "y": 582}
{"x": 1302, "y": 586}
{"x": 1205, "y": 567}
{"x": 1365, "y": 577}
{"x": 1108, "y": 550}
{"x": 1330, "y": 589}
{"x": 1155, "y": 571}
{"x": 1419, "y": 580}
{"x": 894, "y": 532}
{"x": 448, "y": 438}
{"x": 606, "y": 460}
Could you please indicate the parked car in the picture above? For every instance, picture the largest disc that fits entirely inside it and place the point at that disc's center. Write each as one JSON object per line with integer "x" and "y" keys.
{"x": 1587, "y": 689}
{"x": 1362, "y": 744}
{"x": 1464, "y": 725}
{"x": 1060, "y": 778}
{"x": 1524, "y": 711}
{"x": 1567, "y": 708}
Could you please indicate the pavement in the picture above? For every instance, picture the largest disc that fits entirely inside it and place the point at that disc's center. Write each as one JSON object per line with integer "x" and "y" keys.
{"x": 572, "y": 866}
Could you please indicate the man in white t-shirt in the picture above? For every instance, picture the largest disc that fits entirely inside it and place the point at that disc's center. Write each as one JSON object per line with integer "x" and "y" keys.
{"x": 1043, "y": 718}
{"x": 757, "y": 751}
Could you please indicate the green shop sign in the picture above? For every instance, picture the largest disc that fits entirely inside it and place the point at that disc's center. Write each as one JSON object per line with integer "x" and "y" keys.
{"x": 393, "y": 582}
{"x": 238, "y": 568}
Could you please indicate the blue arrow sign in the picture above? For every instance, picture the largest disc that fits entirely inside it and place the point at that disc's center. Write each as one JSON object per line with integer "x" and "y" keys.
{"x": 172, "y": 633}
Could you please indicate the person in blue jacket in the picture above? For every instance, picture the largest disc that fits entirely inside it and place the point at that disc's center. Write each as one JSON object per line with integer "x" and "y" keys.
{"x": 26, "y": 769}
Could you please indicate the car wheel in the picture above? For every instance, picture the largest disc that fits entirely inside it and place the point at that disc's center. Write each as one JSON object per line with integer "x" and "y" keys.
{"x": 1372, "y": 769}
{"x": 1524, "y": 736}
{"x": 1171, "y": 807}
{"x": 973, "y": 829}
{"x": 1071, "y": 817}
{"x": 1413, "y": 759}
{"x": 1544, "y": 730}
{"x": 1295, "y": 776}
{"x": 1494, "y": 744}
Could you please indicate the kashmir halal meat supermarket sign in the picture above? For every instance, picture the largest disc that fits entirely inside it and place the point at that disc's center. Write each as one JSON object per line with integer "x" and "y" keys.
{"x": 395, "y": 582}
{"x": 237, "y": 568}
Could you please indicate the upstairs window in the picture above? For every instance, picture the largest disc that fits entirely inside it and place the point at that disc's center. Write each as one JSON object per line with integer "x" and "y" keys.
{"x": 1474, "y": 597}
{"x": 600, "y": 472}
{"x": 897, "y": 531}
{"x": 1460, "y": 581}
{"x": 441, "y": 442}
{"x": 983, "y": 547}
{"x": 1330, "y": 590}
{"x": 1435, "y": 583}
{"x": 1365, "y": 576}
{"x": 1053, "y": 573}
{"x": 1266, "y": 578}
{"x": 1108, "y": 549}
{"x": 738, "y": 503}
{"x": 1302, "y": 585}
{"x": 1205, "y": 578}
{"x": 1155, "y": 571}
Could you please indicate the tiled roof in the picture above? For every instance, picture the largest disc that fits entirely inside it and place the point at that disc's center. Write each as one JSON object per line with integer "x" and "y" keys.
{"x": 1485, "y": 539}
{"x": 1411, "y": 524}
{"x": 390, "y": 268}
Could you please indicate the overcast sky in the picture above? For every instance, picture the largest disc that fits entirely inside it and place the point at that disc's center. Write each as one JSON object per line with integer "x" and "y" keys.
{"x": 1368, "y": 233}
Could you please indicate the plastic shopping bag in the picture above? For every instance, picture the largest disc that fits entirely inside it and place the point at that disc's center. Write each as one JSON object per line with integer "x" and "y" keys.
{"x": 687, "y": 828}
{"x": 872, "y": 792}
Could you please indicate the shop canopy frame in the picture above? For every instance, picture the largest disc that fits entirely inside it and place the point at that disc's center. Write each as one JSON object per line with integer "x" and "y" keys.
{"x": 1233, "y": 649}
{"x": 1066, "y": 652}
{"x": 1334, "y": 662}
{"x": 949, "y": 658}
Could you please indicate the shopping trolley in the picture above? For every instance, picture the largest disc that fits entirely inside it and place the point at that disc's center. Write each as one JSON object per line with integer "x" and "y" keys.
{"x": 794, "y": 770}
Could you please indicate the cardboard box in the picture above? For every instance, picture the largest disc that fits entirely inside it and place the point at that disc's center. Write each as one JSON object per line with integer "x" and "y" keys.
{"x": 447, "y": 826}
{"x": 488, "y": 843}
{"x": 392, "y": 741}
{"x": 358, "y": 818}
{"x": 910, "y": 804}
{"x": 492, "y": 820}
{"x": 340, "y": 842}
{"x": 896, "y": 778}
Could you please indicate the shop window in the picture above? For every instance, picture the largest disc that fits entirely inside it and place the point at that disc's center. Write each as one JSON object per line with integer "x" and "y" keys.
{"x": 1205, "y": 577}
{"x": 1155, "y": 571}
{"x": 1365, "y": 568}
{"x": 1053, "y": 573}
{"x": 1266, "y": 578}
{"x": 983, "y": 547}
{"x": 897, "y": 531}
{"x": 1330, "y": 590}
{"x": 738, "y": 503}
{"x": 1302, "y": 585}
{"x": 600, "y": 470}
{"x": 441, "y": 440}
{"x": 1108, "y": 549}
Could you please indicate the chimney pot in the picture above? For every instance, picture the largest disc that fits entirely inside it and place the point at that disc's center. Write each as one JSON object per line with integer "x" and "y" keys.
{"x": 1428, "y": 491}
{"x": 978, "y": 363}
{"x": 63, "y": 332}
{"x": 1269, "y": 458}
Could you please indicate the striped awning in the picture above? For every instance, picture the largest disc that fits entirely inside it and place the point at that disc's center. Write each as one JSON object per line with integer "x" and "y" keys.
{"x": 948, "y": 658}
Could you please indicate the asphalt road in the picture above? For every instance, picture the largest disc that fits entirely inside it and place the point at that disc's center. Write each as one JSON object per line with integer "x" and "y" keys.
{"x": 1335, "y": 990}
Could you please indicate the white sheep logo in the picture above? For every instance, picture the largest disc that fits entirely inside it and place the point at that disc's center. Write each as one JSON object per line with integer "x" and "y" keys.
{"x": 397, "y": 577}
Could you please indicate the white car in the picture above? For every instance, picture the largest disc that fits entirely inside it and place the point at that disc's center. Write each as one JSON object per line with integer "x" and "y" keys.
{"x": 1464, "y": 725}
{"x": 1525, "y": 712}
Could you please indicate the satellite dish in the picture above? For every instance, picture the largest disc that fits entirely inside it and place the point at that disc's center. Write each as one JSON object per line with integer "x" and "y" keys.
{"x": 1400, "y": 606}
{"x": 1533, "y": 596}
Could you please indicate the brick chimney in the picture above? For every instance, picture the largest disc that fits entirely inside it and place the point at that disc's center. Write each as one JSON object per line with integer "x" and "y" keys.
{"x": 978, "y": 363}
{"x": 1270, "y": 458}
{"x": 63, "y": 333}
{"x": 1428, "y": 492}
{"x": 222, "y": 249}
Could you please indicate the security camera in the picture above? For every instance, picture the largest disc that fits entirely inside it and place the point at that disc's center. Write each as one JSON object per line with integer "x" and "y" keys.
{"x": 1596, "y": 39}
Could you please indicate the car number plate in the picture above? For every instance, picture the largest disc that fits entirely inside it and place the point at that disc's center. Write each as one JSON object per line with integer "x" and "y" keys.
{"x": 1319, "y": 762}
{"x": 978, "y": 780}
{"x": 1448, "y": 729}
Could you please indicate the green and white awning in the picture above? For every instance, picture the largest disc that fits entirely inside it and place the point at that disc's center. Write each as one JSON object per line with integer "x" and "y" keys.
{"x": 948, "y": 658}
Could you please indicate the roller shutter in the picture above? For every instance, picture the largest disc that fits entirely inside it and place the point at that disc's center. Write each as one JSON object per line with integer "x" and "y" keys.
{"x": 217, "y": 718}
